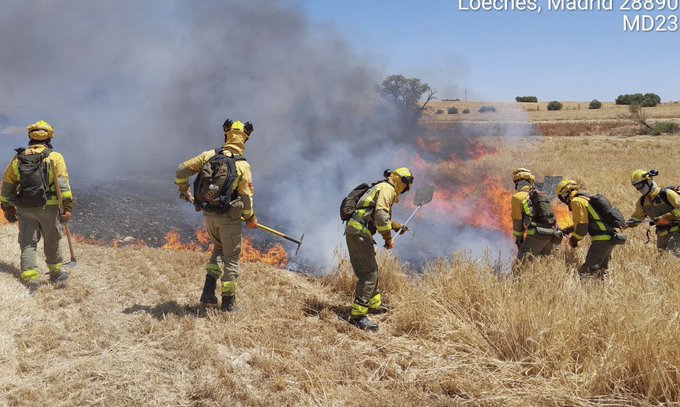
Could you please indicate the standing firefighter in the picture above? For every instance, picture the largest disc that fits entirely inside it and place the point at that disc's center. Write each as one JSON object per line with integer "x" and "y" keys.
{"x": 373, "y": 213}
{"x": 661, "y": 205}
{"x": 531, "y": 211}
{"x": 223, "y": 190}
{"x": 593, "y": 215}
{"x": 29, "y": 196}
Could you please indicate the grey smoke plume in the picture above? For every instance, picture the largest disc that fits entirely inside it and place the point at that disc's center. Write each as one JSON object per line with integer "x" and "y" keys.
{"x": 134, "y": 88}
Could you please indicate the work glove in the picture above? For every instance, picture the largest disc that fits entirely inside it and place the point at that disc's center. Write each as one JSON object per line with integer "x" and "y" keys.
{"x": 10, "y": 213}
{"x": 573, "y": 242}
{"x": 248, "y": 128}
{"x": 65, "y": 217}
{"x": 518, "y": 241}
{"x": 399, "y": 228}
{"x": 387, "y": 236}
{"x": 251, "y": 222}
{"x": 184, "y": 193}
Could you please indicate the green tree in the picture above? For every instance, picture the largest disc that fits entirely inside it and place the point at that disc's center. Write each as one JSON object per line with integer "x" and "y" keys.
{"x": 406, "y": 94}
{"x": 595, "y": 104}
{"x": 554, "y": 105}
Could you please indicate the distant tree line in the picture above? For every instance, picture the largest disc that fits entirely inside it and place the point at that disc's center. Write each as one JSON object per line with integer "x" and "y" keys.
{"x": 527, "y": 99}
{"x": 646, "y": 100}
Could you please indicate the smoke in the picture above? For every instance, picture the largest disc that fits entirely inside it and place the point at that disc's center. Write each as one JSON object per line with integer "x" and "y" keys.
{"x": 133, "y": 88}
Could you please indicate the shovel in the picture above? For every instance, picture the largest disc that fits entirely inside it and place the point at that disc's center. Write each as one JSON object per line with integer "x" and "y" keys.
{"x": 72, "y": 263}
{"x": 423, "y": 197}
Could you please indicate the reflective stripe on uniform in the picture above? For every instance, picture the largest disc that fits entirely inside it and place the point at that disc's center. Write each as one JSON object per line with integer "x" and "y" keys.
{"x": 28, "y": 275}
{"x": 228, "y": 287}
{"x": 358, "y": 310}
{"x": 596, "y": 218}
{"x": 55, "y": 267}
{"x": 384, "y": 228}
{"x": 3, "y": 199}
{"x": 516, "y": 233}
{"x": 375, "y": 302}
{"x": 246, "y": 213}
{"x": 356, "y": 225}
{"x": 180, "y": 181}
{"x": 597, "y": 238}
{"x": 213, "y": 270}
{"x": 577, "y": 236}
{"x": 531, "y": 232}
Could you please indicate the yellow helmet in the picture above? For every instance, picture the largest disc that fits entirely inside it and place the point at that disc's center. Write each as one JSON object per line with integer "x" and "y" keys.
{"x": 523, "y": 174}
{"x": 565, "y": 186}
{"x": 228, "y": 125}
{"x": 642, "y": 175}
{"x": 402, "y": 178}
{"x": 40, "y": 130}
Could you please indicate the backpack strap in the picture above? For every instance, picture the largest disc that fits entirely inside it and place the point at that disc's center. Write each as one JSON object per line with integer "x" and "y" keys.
{"x": 663, "y": 194}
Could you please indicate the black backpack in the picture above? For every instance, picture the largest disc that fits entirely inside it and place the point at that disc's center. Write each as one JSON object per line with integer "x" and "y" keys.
{"x": 663, "y": 194}
{"x": 33, "y": 178}
{"x": 214, "y": 182}
{"x": 608, "y": 213}
{"x": 542, "y": 208}
{"x": 349, "y": 203}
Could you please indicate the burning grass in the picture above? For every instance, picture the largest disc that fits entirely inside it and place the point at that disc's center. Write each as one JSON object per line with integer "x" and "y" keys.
{"x": 127, "y": 330}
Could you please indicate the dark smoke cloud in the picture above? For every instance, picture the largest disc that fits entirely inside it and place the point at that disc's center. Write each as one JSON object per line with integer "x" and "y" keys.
{"x": 135, "y": 87}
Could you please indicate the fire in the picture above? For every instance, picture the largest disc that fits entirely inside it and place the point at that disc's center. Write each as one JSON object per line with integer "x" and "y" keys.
{"x": 276, "y": 255}
{"x": 562, "y": 215}
{"x": 3, "y": 221}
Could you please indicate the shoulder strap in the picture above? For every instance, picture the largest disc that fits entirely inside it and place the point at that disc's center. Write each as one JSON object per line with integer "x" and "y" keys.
{"x": 19, "y": 150}
{"x": 663, "y": 194}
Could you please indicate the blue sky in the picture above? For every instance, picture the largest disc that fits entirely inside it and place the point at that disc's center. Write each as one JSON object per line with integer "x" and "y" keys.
{"x": 578, "y": 55}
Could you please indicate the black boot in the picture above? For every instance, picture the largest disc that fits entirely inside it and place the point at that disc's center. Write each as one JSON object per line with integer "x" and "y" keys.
{"x": 383, "y": 308}
{"x": 228, "y": 303}
{"x": 60, "y": 277}
{"x": 208, "y": 296}
{"x": 364, "y": 323}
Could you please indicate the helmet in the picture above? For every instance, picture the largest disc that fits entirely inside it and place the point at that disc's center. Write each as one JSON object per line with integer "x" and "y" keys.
{"x": 641, "y": 175}
{"x": 40, "y": 130}
{"x": 564, "y": 188}
{"x": 401, "y": 175}
{"x": 522, "y": 174}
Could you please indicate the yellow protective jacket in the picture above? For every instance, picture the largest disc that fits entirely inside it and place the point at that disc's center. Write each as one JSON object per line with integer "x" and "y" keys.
{"x": 243, "y": 184}
{"x": 374, "y": 210}
{"x": 11, "y": 183}
{"x": 586, "y": 220}
{"x": 654, "y": 207}
{"x": 521, "y": 210}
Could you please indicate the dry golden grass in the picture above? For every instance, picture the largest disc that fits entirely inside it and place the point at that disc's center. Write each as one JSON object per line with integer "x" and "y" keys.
{"x": 126, "y": 329}
{"x": 538, "y": 112}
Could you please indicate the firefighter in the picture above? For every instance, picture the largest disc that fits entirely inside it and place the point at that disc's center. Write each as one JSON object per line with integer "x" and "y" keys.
{"x": 224, "y": 226}
{"x": 373, "y": 214}
{"x": 661, "y": 205}
{"x": 587, "y": 220}
{"x": 534, "y": 243}
{"x": 29, "y": 197}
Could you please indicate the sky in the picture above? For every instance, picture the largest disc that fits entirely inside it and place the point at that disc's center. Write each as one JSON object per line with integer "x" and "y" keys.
{"x": 568, "y": 55}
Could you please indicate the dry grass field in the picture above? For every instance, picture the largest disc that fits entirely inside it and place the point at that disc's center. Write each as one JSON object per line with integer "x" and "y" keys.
{"x": 127, "y": 330}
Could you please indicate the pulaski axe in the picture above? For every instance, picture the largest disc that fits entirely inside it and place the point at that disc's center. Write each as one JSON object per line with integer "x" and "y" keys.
{"x": 281, "y": 235}
{"x": 423, "y": 197}
{"x": 60, "y": 199}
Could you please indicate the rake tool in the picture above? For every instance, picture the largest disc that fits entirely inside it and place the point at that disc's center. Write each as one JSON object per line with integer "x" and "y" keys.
{"x": 282, "y": 235}
{"x": 423, "y": 197}
{"x": 72, "y": 263}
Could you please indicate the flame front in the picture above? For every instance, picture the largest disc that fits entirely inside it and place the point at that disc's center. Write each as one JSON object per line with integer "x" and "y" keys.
{"x": 276, "y": 255}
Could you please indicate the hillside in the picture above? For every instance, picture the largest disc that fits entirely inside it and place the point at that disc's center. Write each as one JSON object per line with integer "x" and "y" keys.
{"x": 127, "y": 330}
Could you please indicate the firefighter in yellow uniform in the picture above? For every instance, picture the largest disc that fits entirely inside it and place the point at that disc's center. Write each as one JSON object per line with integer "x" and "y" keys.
{"x": 587, "y": 221}
{"x": 373, "y": 214}
{"x": 534, "y": 243}
{"x": 661, "y": 205}
{"x": 29, "y": 196}
{"x": 224, "y": 228}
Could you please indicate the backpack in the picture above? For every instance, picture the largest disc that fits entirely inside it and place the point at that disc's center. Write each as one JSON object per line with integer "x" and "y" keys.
{"x": 214, "y": 182}
{"x": 349, "y": 203}
{"x": 542, "y": 208}
{"x": 33, "y": 178}
{"x": 663, "y": 194}
{"x": 609, "y": 214}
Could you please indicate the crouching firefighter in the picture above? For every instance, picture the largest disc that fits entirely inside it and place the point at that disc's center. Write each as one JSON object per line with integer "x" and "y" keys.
{"x": 367, "y": 210}
{"x": 661, "y": 205}
{"x": 223, "y": 190}
{"x": 532, "y": 213}
{"x": 593, "y": 215}
{"x": 29, "y": 196}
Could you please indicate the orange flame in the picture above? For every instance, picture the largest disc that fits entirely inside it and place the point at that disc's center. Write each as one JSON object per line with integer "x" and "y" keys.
{"x": 3, "y": 221}
{"x": 276, "y": 255}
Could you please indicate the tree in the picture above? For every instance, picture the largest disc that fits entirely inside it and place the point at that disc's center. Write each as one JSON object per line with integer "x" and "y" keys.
{"x": 526, "y": 99}
{"x": 406, "y": 94}
{"x": 595, "y": 104}
{"x": 554, "y": 105}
